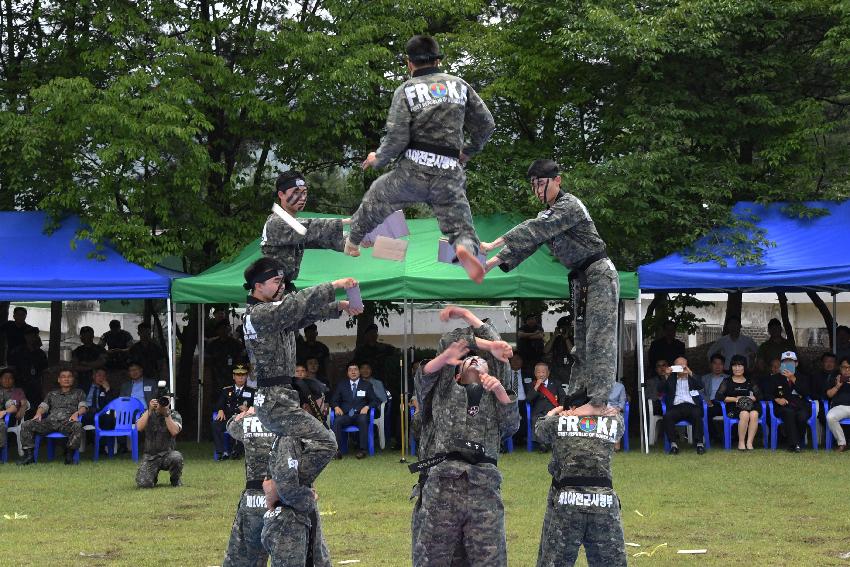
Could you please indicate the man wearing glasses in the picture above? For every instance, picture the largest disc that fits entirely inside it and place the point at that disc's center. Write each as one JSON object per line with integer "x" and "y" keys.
{"x": 569, "y": 231}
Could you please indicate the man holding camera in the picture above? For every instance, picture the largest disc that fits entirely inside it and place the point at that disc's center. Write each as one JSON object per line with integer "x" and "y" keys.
{"x": 682, "y": 393}
{"x": 161, "y": 424}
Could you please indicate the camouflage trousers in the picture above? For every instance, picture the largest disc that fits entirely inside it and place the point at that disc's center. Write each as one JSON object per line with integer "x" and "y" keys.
{"x": 408, "y": 184}
{"x": 245, "y": 548}
{"x": 279, "y": 410}
{"x": 148, "y": 473}
{"x": 2, "y": 433}
{"x": 566, "y": 527}
{"x": 72, "y": 429}
{"x": 455, "y": 512}
{"x": 459, "y": 556}
{"x": 286, "y": 537}
{"x": 595, "y": 343}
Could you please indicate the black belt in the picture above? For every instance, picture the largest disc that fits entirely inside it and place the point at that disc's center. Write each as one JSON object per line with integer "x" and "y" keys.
{"x": 426, "y": 464}
{"x": 256, "y": 484}
{"x": 595, "y": 481}
{"x": 274, "y": 381}
{"x": 434, "y": 149}
{"x": 587, "y": 262}
{"x": 578, "y": 284}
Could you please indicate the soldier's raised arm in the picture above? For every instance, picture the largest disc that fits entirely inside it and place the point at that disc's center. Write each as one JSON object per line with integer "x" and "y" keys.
{"x": 397, "y": 137}
{"x": 478, "y": 121}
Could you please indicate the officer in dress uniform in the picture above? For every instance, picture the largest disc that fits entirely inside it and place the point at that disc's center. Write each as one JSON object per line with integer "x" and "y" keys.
{"x": 232, "y": 400}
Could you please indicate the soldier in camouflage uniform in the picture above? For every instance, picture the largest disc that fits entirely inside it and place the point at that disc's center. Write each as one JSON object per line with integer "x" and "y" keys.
{"x": 63, "y": 407}
{"x": 460, "y": 499}
{"x": 160, "y": 424}
{"x": 569, "y": 231}
{"x": 425, "y": 130}
{"x": 582, "y": 507}
{"x": 269, "y": 324}
{"x": 281, "y": 242}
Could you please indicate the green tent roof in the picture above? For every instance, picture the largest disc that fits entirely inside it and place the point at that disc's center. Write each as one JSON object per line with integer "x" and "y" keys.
{"x": 420, "y": 276}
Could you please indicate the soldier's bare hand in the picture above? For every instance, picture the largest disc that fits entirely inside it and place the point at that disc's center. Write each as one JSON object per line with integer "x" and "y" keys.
{"x": 270, "y": 490}
{"x": 370, "y": 160}
{"x": 344, "y": 283}
{"x": 555, "y": 411}
{"x": 453, "y": 312}
{"x": 493, "y": 384}
{"x": 455, "y": 352}
{"x": 153, "y": 405}
{"x": 501, "y": 350}
{"x": 492, "y": 263}
{"x": 315, "y": 494}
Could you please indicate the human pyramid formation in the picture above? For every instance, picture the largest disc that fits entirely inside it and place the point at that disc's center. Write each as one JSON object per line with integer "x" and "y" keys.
{"x": 467, "y": 404}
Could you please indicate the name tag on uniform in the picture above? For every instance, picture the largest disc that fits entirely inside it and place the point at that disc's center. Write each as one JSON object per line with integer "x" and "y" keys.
{"x": 694, "y": 393}
{"x": 147, "y": 388}
{"x": 527, "y": 380}
{"x": 246, "y": 394}
{"x": 361, "y": 394}
{"x": 586, "y": 500}
{"x": 255, "y": 501}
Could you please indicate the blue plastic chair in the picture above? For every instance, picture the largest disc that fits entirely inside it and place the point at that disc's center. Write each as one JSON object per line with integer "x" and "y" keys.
{"x": 829, "y": 437}
{"x": 4, "y": 452}
{"x": 355, "y": 429}
{"x": 626, "y": 428}
{"x": 228, "y": 440}
{"x": 686, "y": 423}
{"x": 529, "y": 433}
{"x": 812, "y": 422}
{"x": 51, "y": 437}
{"x": 126, "y": 411}
{"x": 728, "y": 422}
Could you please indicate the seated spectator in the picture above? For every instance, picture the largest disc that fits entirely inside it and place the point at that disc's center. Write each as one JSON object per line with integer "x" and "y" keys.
{"x": 310, "y": 347}
{"x": 351, "y": 402}
{"x": 232, "y": 399}
{"x": 733, "y": 342}
{"x": 789, "y": 392}
{"x": 667, "y": 346}
{"x": 63, "y": 407}
{"x": 617, "y": 399}
{"x": 311, "y": 365}
{"x": 99, "y": 395}
{"x": 14, "y": 331}
{"x": 147, "y": 352}
{"x": 29, "y": 362}
{"x": 160, "y": 425}
{"x": 529, "y": 342}
{"x": 654, "y": 385}
{"x": 766, "y": 379}
{"x": 138, "y": 386}
{"x": 684, "y": 403}
{"x": 741, "y": 396}
{"x": 315, "y": 389}
{"x": 557, "y": 351}
{"x": 711, "y": 382}
{"x": 87, "y": 358}
{"x": 223, "y": 352}
{"x": 13, "y": 402}
{"x": 540, "y": 404}
{"x": 775, "y": 344}
{"x": 838, "y": 392}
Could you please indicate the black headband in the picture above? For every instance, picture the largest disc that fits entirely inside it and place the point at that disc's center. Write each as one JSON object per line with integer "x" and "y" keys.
{"x": 293, "y": 182}
{"x": 261, "y": 277}
{"x": 425, "y": 57}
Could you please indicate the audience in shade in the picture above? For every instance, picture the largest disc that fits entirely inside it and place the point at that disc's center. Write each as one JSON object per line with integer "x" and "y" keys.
{"x": 741, "y": 395}
{"x": 138, "y": 386}
{"x": 842, "y": 341}
{"x": 310, "y": 347}
{"x": 733, "y": 342}
{"x": 98, "y": 396}
{"x": 14, "y": 331}
{"x": 521, "y": 383}
{"x": 558, "y": 348}
{"x": 372, "y": 351}
{"x": 30, "y": 362}
{"x": 87, "y": 358}
{"x": 711, "y": 382}
{"x": 147, "y": 352}
{"x": 530, "y": 344}
{"x": 59, "y": 412}
{"x": 666, "y": 347}
{"x": 351, "y": 401}
{"x": 654, "y": 385}
{"x": 838, "y": 392}
{"x": 13, "y": 402}
{"x": 775, "y": 344}
{"x": 540, "y": 403}
{"x": 223, "y": 352}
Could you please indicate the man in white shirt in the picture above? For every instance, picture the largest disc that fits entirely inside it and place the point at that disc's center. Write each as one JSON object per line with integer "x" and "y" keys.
{"x": 734, "y": 343}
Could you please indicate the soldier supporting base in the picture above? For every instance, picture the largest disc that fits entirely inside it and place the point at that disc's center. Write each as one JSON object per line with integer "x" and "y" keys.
{"x": 582, "y": 507}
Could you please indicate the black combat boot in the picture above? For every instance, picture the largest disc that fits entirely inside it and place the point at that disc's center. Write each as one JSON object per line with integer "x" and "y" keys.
{"x": 28, "y": 458}
{"x": 69, "y": 457}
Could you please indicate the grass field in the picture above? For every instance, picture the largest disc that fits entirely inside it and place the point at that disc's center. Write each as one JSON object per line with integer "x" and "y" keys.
{"x": 758, "y": 508}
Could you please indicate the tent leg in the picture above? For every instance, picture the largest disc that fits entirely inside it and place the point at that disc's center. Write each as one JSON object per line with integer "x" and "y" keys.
{"x": 644, "y": 434}
{"x": 403, "y": 390}
{"x": 834, "y": 324}
{"x": 201, "y": 321}
{"x": 621, "y": 316}
{"x": 169, "y": 307}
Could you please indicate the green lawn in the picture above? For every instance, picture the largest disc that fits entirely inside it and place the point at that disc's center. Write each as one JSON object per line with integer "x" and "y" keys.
{"x": 758, "y": 508}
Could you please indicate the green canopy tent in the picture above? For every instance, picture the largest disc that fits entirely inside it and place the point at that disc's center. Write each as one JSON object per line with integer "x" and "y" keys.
{"x": 420, "y": 276}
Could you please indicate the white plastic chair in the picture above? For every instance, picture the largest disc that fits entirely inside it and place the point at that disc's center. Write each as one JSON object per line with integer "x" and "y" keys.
{"x": 379, "y": 423}
{"x": 17, "y": 430}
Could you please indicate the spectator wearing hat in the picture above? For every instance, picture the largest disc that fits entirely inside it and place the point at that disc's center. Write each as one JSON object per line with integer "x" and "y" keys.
{"x": 775, "y": 344}
{"x": 233, "y": 399}
{"x": 138, "y": 386}
{"x": 838, "y": 392}
{"x": 557, "y": 351}
{"x": 790, "y": 390}
{"x": 733, "y": 342}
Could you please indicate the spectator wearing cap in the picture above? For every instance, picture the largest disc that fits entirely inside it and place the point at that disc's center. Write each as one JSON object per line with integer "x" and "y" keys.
{"x": 775, "y": 344}
{"x": 789, "y": 391}
{"x": 138, "y": 386}
{"x": 733, "y": 342}
{"x": 372, "y": 351}
{"x": 682, "y": 390}
{"x": 147, "y": 352}
{"x": 557, "y": 351}
{"x": 667, "y": 346}
{"x": 311, "y": 347}
{"x": 30, "y": 362}
{"x": 351, "y": 401}
{"x": 233, "y": 399}
{"x": 87, "y": 358}
{"x": 838, "y": 392}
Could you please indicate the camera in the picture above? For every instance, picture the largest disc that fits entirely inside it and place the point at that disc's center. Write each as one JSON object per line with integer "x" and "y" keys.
{"x": 677, "y": 368}
{"x": 163, "y": 396}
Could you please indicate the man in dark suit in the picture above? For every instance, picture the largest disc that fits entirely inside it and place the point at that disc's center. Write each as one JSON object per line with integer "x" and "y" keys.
{"x": 139, "y": 387}
{"x": 232, "y": 400}
{"x": 540, "y": 404}
{"x": 351, "y": 401}
{"x": 682, "y": 394}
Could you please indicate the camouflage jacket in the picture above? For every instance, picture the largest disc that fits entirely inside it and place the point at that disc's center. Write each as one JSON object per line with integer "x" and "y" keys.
{"x": 158, "y": 439}
{"x": 293, "y": 489}
{"x": 258, "y": 442}
{"x": 445, "y": 412}
{"x": 286, "y": 246}
{"x": 435, "y": 108}
{"x": 270, "y": 328}
{"x": 566, "y": 226}
{"x": 581, "y": 446}
{"x": 62, "y": 405}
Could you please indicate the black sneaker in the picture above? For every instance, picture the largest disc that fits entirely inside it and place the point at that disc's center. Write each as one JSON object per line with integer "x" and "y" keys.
{"x": 27, "y": 459}
{"x": 176, "y": 482}
{"x": 69, "y": 457}
{"x": 700, "y": 449}
{"x": 797, "y": 449}
{"x": 674, "y": 449}
{"x": 224, "y": 456}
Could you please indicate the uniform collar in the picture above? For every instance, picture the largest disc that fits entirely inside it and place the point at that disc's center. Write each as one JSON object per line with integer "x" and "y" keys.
{"x": 425, "y": 71}
{"x": 561, "y": 195}
{"x": 253, "y": 300}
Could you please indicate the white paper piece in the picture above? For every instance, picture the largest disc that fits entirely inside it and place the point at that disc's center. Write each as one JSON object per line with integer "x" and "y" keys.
{"x": 692, "y": 551}
{"x": 347, "y": 561}
{"x": 289, "y": 219}
{"x": 639, "y": 514}
{"x": 630, "y": 544}
{"x": 390, "y": 249}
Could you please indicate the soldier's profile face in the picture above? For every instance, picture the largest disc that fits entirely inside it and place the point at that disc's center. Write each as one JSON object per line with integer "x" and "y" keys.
{"x": 268, "y": 289}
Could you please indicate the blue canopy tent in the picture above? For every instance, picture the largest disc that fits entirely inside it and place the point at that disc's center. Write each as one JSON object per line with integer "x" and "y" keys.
{"x": 808, "y": 256}
{"x": 36, "y": 266}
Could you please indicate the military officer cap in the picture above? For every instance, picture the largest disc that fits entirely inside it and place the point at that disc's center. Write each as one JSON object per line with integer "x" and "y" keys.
{"x": 422, "y": 49}
{"x": 543, "y": 168}
{"x": 240, "y": 369}
{"x": 261, "y": 270}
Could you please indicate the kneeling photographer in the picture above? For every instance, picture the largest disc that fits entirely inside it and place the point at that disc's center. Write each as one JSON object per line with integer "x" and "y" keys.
{"x": 161, "y": 424}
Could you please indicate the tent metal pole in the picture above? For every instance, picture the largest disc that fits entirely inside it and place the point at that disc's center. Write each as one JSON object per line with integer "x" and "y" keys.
{"x": 403, "y": 389}
{"x": 169, "y": 307}
{"x": 834, "y": 324}
{"x": 621, "y": 316}
{"x": 644, "y": 434}
{"x": 201, "y": 321}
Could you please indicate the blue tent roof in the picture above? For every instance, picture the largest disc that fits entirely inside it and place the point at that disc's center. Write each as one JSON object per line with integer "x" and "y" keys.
{"x": 35, "y": 266}
{"x": 810, "y": 255}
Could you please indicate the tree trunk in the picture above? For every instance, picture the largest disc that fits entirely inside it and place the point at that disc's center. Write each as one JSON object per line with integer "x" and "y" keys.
{"x": 733, "y": 307}
{"x": 55, "y": 332}
{"x": 659, "y": 305}
{"x": 786, "y": 321}
{"x": 185, "y": 377}
{"x": 146, "y": 314}
{"x": 825, "y": 313}
{"x": 365, "y": 319}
